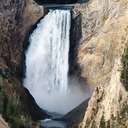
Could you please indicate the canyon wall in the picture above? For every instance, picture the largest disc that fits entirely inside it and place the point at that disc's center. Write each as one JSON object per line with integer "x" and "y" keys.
{"x": 105, "y": 39}
{"x": 16, "y": 18}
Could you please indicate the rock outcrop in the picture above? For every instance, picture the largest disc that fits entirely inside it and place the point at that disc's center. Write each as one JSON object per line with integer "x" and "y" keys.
{"x": 16, "y": 19}
{"x": 105, "y": 37}
{"x": 3, "y": 124}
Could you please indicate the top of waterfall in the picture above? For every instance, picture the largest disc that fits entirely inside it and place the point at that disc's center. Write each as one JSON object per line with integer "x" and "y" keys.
{"x": 60, "y": 3}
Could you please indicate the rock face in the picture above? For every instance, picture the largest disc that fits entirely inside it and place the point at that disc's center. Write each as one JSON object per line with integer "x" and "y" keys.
{"x": 105, "y": 36}
{"x": 16, "y": 18}
{"x": 3, "y": 124}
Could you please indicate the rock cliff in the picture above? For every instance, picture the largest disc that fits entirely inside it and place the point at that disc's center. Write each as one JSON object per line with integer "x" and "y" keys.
{"x": 16, "y": 18}
{"x": 3, "y": 124}
{"x": 105, "y": 39}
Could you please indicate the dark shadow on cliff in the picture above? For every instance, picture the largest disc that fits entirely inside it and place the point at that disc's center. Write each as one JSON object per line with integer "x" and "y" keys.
{"x": 75, "y": 36}
{"x": 35, "y": 111}
{"x": 76, "y": 115}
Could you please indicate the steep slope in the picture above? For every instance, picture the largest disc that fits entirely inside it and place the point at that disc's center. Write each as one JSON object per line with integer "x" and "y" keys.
{"x": 3, "y": 124}
{"x": 105, "y": 31}
{"x": 16, "y": 18}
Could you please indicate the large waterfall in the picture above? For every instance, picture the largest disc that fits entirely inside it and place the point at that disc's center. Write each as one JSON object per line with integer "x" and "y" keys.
{"x": 46, "y": 74}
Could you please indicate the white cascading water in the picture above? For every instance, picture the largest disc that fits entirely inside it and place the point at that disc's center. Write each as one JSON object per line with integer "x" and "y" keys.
{"x": 47, "y": 65}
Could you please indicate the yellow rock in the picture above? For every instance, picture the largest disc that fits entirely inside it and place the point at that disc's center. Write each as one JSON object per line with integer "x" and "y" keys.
{"x": 106, "y": 36}
{"x": 3, "y": 124}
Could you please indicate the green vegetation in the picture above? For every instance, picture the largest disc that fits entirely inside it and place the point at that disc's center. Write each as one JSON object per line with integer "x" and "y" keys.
{"x": 12, "y": 112}
{"x": 11, "y": 107}
{"x": 1, "y": 94}
{"x": 124, "y": 74}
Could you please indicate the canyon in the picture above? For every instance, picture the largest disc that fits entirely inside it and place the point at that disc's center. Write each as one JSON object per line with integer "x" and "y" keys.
{"x": 100, "y": 55}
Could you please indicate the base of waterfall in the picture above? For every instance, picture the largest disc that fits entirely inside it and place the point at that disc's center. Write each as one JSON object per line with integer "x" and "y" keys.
{"x": 73, "y": 118}
{"x": 59, "y": 102}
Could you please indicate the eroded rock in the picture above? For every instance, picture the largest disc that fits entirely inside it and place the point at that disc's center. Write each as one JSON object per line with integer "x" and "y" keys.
{"x": 16, "y": 18}
{"x": 100, "y": 58}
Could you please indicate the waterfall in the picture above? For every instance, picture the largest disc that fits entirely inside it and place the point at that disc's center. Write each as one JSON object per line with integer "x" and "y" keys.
{"x": 47, "y": 65}
{"x": 50, "y": 48}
